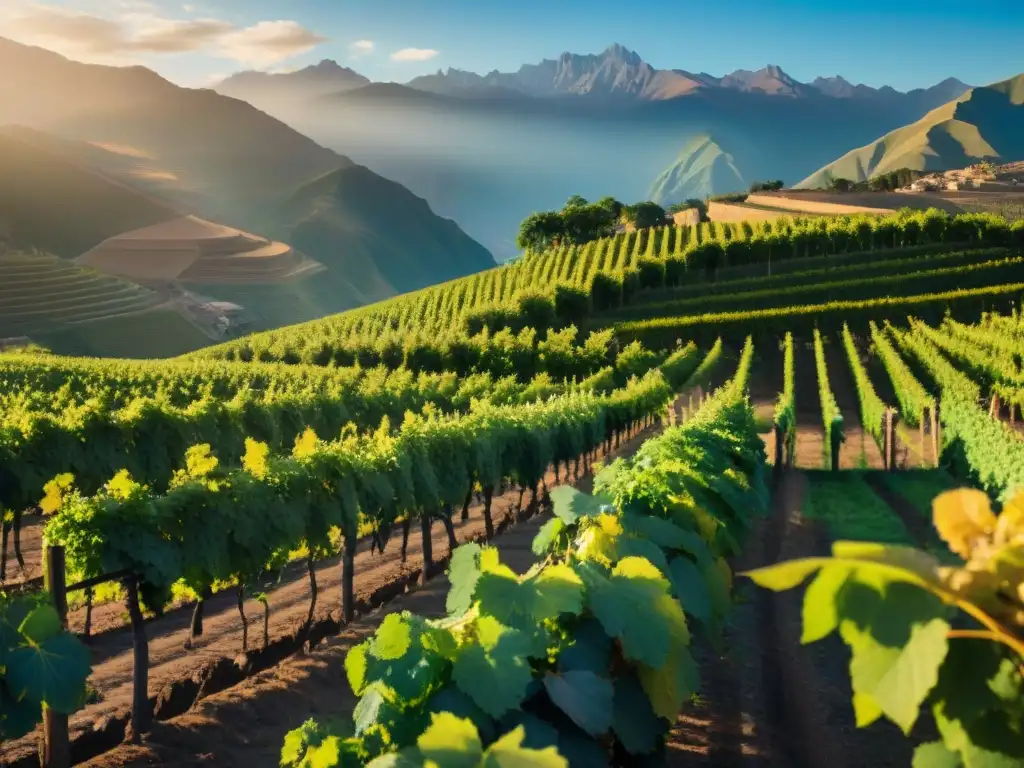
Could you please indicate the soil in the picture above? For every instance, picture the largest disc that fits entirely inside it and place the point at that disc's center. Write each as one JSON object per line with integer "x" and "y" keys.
{"x": 31, "y": 551}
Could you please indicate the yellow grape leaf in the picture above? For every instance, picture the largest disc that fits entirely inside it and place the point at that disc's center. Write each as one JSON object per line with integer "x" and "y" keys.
{"x": 55, "y": 491}
{"x": 962, "y": 517}
{"x": 305, "y": 444}
{"x": 255, "y": 460}
{"x": 121, "y": 485}
{"x": 1010, "y": 525}
{"x": 200, "y": 461}
{"x": 865, "y": 709}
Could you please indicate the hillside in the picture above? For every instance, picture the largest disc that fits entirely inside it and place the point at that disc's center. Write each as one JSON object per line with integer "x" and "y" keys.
{"x": 56, "y": 205}
{"x": 984, "y": 123}
{"x": 701, "y": 168}
{"x": 376, "y": 236}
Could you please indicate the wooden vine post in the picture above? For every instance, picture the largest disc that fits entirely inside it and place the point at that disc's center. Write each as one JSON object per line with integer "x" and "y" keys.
{"x": 935, "y": 432}
{"x": 835, "y": 443}
{"x": 56, "y": 747}
{"x": 889, "y": 423}
{"x": 140, "y": 662}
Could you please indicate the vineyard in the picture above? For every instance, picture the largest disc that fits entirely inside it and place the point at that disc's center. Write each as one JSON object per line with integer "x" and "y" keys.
{"x": 555, "y": 514}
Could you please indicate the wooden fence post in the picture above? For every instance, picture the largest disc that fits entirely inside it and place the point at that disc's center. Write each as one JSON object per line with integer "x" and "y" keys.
{"x": 834, "y": 449}
{"x": 56, "y": 752}
{"x": 140, "y": 662}
{"x": 936, "y": 443}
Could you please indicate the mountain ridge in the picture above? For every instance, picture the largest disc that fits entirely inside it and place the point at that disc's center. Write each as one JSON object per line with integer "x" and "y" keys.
{"x": 985, "y": 123}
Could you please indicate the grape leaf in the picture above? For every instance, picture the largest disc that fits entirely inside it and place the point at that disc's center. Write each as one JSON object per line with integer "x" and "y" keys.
{"x": 688, "y": 584}
{"x": 963, "y": 517}
{"x": 509, "y": 752}
{"x": 547, "y": 536}
{"x": 53, "y": 672}
{"x": 633, "y": 606}
{"x": 463, "y": 572}
{"x": 665, "y": 534}
{"x": 935, "y": 755}
{"x": 591, "y": 649}
{"x": 672, "y": 684}
{"x": 524, "y": 604}
{"x": 392, "y": 639}
{"x": 494, "y": 674}
{"x": 584, "y": 697}
{"x": 451, "y": 741}
{"x": 41, "y": 624}
{"x": 459, "y": 704}
{"x": 898, "y": 640}
{"x": 570, "y": 505}
{"x": 635, "y": 722}
{"x": 356, "y": 667}
{"x": 783, "y": 576}
{"x": 820, "y": 608}
{"x": 17, "y": 717}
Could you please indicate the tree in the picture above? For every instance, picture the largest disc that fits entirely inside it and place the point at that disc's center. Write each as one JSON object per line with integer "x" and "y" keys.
{"x": 576, "y": 201}
{"x": 612, "y": 205}
{"x": 540, "y": 230}
{"x": 586, "y": 223}
{"x": 646, "y": 214}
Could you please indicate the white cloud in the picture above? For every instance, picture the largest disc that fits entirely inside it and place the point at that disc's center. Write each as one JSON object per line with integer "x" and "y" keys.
{"x": 188, "y": 8}
{"x": 361, "y": 48}
{"x": 141, "y": 30}
{"x": 414, "y": 54}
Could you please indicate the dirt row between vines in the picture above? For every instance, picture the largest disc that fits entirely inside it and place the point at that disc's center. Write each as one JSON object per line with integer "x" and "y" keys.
{"x": 178, "y": 677}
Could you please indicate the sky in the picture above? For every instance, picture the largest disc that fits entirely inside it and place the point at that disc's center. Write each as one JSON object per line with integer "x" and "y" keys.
{"x": 902, "y": 43}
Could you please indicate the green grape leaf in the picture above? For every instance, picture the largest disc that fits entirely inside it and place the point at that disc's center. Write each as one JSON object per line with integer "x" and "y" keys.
{"x": 392, "y": 639}
{"x": 821, "y": 608}
{"x": 633, "y": 605}
{"x": 356, "y": 667}
{"x": 569, "y": 504}
{"x": 298, "y": 740}
{"x": 509, "y": 752}
{"x": 463, "y": 573}
{"x": 372, "y": 709}
{"x": 547, "y": 536}
{"x": 688, "y": 584}
{"x": 634, "y": 720}
{"x": 627, "y": 546}
{"x": 17, "y": 717}
{"x": 783, "y": 576}
{"x": 666, "y": 534}
{"x": 41, "y": 624}
{"x": 539, "y": 733}
{"x": 524, "y": 604}
{"x": 935, "y": 755}
{"x": 451, "y": 741}
{"x": 898, "y": 643}
{"x": 591, "y": 649}
{"x": 407, "y": 758}
{"x": 53, "y": 672}
{"x": 584, "y": 697}
{"x": 494, "y": 674}
{"x": 459, "y": 704}
{"x": 671, "y": 685}
{"x": 327, "y": 754}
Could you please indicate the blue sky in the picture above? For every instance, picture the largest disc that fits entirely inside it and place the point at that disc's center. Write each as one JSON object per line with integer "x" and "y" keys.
{"x": 904, "y": 44}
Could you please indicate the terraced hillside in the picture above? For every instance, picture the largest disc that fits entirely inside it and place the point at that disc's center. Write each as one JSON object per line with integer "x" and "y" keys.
{"x": 77, "y": 310}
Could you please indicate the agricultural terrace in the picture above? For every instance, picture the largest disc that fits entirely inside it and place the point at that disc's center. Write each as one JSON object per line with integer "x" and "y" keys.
{"x": 551, "y": 514}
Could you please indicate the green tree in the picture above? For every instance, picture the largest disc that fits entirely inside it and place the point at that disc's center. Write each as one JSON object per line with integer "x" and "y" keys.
{"x": 540, "y": 230}
{"x": 646, "y": 214}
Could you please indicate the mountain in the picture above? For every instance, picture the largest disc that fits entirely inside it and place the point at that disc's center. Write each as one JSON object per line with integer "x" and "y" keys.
{"x": 702, "y": 169}
{"x": 221, "y": 159}
{"x": 361, "y": 225}
{"x": 771, "y": 80}
{"x": 983, "y": 123}
{"x": 50, "y": 203}
{"x": 313, "y": 81}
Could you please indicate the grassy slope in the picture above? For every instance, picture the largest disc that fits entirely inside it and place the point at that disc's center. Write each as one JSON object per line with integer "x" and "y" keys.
{"x": 984, "y": 123}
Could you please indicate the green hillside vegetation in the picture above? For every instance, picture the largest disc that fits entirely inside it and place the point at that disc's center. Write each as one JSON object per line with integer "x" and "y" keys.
{"x": 50, "y": 203}
{"x": 702, "y": 169}
{"x": 610, "y": 282}
{"x": 984, "y": 123}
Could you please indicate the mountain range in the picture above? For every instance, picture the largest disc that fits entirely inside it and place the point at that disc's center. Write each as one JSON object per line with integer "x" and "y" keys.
{"x": 984, "y": 123}
{"x": 128, "y": 136}
{"x": 487, "y": 150}
{"x": 615, "y": 72}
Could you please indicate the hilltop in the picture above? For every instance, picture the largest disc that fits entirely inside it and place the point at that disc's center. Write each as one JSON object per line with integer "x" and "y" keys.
{"x": 701, "y": 168}
{"x": 983, "y": 123}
